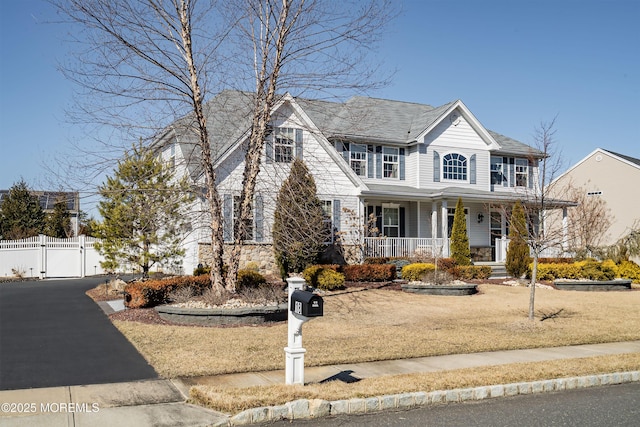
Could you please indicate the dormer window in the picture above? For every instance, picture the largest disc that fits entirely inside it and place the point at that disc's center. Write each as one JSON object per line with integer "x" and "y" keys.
{"x": 454, "y": 167}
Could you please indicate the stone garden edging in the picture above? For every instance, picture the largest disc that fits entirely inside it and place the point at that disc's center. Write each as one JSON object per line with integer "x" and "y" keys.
{"x": 593, "y": 285}
{"x": 223, "y": 316}
{"x": 427, "y": 289}
{"x": 315, "y": 408}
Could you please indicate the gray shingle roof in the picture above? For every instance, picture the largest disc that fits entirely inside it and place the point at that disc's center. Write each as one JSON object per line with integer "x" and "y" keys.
{"x": 627, "y": 158}
{"x": 358, "y": 119}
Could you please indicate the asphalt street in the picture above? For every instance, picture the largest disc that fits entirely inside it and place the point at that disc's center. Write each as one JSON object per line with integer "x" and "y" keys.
{"x": 52, "y": 334}
{"x": 616, "y": 405}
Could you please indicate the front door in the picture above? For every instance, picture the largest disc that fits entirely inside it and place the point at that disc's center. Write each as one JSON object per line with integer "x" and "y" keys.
{"x": 497, "y": 231}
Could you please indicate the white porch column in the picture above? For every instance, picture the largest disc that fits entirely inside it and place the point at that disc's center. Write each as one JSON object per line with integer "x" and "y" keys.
{"x": 434, "y": 220}
{"x": 445, "y": 230}
{"x": 565, "y": 229}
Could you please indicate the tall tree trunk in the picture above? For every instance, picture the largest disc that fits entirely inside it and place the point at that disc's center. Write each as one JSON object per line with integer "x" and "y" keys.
{"x": 532, "y": 291}
{"x": 266, "y": 86}
{"x": 213, "y": 198}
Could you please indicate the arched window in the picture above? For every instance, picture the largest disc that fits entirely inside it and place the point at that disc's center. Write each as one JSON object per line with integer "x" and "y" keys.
{"x": 454, "y": 167}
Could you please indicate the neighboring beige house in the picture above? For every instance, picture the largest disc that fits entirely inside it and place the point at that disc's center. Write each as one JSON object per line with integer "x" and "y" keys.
{"x": 613, "y": 177}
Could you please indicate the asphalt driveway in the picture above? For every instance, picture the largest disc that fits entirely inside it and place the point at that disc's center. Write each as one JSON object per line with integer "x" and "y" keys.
{"x": 52, "y": 334}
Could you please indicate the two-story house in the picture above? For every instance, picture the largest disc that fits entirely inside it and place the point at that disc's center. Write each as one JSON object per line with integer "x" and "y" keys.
{"x": 389, "y": 173}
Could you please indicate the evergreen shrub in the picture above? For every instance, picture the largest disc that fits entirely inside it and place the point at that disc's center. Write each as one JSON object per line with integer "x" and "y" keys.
{"x": 249, "y": 279}
{"x": 629, "y": 270}
{"x": 369, "y": 272}
{"x": 414, "y": 272}
{"x": 329, "y": 280}
{"x": 470, "y": 272}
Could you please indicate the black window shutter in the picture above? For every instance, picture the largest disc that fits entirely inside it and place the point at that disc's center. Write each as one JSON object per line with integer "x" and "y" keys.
{"x": 378, "y": 162}
{"x": 402, "y": 163}
{"x": 227, "y": 219}
{"x": 299, "y": 143}
{"x": 436, "y": 166}
{"x": 402, "y": 222}
{"x": 369, "y": 161}
{"x": 259, "y": 218}
{"x": 472, "y": 169}
{"x": 336, "y": 215}
{"x": 530, "y": 174}
{"x": 268, "y": 147}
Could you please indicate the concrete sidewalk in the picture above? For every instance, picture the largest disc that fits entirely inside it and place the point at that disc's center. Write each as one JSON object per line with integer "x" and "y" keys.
{"x": 162, "y": 402}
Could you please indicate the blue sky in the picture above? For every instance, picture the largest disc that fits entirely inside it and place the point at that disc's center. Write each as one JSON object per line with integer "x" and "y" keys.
{"x": 513, "y": 63}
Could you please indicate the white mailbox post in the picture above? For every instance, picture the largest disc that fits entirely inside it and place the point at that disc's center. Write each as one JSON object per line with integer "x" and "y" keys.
{"x": 302, "y": 307}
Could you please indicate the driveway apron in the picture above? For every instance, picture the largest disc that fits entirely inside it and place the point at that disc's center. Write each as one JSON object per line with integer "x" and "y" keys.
{"x": 52, "y": 334}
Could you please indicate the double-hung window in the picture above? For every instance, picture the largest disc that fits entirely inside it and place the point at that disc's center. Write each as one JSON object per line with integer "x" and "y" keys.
{"x": 327, "y": 222}
{"x": 522, "y": 172}
{"x": 248, "y": 222}
{"x": 391, "y": 220}
{"x": 358, "y": 159}
{"x": 284, "y": 145}
{"x": 497, "y": 171}
{"x": 454, "y": 167}
{"x": 390, "y": 162}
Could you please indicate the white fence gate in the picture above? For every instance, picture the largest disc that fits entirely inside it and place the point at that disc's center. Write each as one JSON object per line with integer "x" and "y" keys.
{"x": 44, "y": 256}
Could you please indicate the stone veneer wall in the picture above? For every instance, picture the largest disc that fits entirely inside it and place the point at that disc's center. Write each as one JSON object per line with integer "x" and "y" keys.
{"x": 481, "y": 254}
{"x": 262, "y": 254}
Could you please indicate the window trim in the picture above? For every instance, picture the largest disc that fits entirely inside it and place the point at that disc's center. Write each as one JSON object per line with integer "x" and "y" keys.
{"x": 363, "y": 161}
{"x": 451, "y": 168}
{"x": 394, "y": 162}
{"x": 387, "y": 207}
{"x": 284, "y": 138}
{"x": 521, "y": 173}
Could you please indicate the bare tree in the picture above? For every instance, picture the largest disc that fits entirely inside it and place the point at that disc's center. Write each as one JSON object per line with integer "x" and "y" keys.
{"x": 144, "y": 59}
{"x": 588, "y": 221}
{"x": 153, "y": 61}
{"x": 539, "y": 203}
{"x": 299, "y": 46}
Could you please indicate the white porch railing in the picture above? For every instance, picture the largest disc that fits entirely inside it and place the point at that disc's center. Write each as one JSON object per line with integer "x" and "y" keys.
{"x": 405, "y": 246}
{"x": 502, "y": 244}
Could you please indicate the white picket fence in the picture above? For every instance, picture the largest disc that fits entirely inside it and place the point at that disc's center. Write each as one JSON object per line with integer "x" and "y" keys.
{"x": 42, "y": 256}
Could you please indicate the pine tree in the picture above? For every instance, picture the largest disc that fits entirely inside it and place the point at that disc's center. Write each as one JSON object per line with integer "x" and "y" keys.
{"x": 142, "y": 210}
{"x": 58, "y": 223}
{"x": 21, "y": 215}
{"x": 299, "y": 233}
{"x": 518, "y": 251}
{"x": 460, "y": 251}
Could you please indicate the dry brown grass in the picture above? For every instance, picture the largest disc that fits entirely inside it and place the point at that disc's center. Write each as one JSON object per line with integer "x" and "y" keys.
{"x": 382, "y": 324}
{"x": 238, "y": 399}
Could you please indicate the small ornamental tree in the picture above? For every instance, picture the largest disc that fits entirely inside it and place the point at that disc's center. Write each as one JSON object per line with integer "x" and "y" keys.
{"x": 518, "y": 251}
{"x": 459, "y": 239}
{"x": 58, "y": 223}
{"x": 299, "y": 233}
{"x": 21, "y": 215}
{"x": 142, "y": 210}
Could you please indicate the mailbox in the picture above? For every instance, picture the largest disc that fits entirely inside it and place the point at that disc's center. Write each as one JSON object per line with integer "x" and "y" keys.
{"x": 306, "y": 304}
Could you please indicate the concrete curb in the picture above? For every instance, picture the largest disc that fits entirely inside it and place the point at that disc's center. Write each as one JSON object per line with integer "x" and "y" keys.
{"x": 315, "y": 408}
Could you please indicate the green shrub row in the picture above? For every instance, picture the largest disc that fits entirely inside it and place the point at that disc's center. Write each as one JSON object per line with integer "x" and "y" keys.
{"x": 590, "y": 270}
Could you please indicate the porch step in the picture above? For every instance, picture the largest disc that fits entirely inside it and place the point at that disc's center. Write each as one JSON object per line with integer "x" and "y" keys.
{"x": 498, "y": 270}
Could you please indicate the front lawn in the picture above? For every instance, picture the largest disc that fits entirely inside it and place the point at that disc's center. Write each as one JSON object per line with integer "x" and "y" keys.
{"x": 380, "y": 324}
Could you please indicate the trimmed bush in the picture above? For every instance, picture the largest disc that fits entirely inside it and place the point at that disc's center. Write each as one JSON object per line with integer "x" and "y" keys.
{"x": 413, "y": 272}
{"x": 330, "y": 280}
{"x": 310, "y": 274}
{"x": 376, "y": 260}
{"x": 446, "y": 264}
{"x": 470, "y": 272}
{"x": 629, "y": 270}
{"x": 155, "y": 292}
{"x": 250, "y": 279}
{"x": 558, "y": 260}
{"x": 369, "y": 272}
{"x": 594, "y": 270}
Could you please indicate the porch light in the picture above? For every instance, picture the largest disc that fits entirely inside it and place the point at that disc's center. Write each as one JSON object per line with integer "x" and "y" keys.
{"x": 480, "y": 218}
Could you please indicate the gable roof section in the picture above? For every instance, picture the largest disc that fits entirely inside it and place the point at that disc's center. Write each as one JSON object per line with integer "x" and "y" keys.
{"x": 358, "y": 119}
{"x": 632, "y": 161}
{"x": 627, "y": 158}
